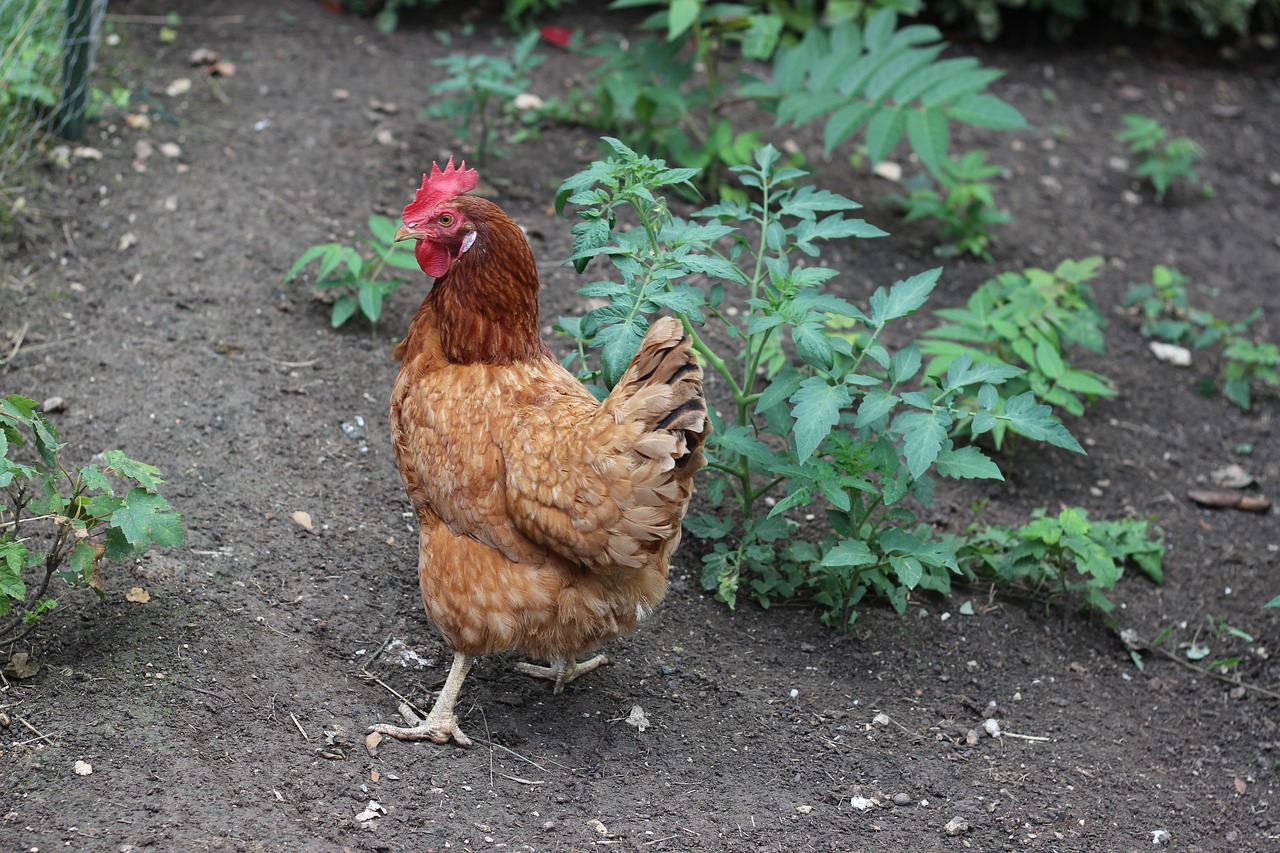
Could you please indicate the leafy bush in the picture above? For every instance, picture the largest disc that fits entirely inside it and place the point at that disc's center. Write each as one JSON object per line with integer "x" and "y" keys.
{"x": 1212, "y": 18}
{"x": 967, "y": 211}
{"x": 1030, "y": 319}
{"x": 885, "y": 82}
{"x": 386, "y": 13}
{"x": 1158, "y": 161}
{"x": 871, "y": 78}
{"x": 1168, "y": 316}
{"x": 344, "y": 269}
{"x": 483, "y": 108}
{"x": 62, "y": 523}
{"x": 845, "y": 419}
{"x": 1042, "y": 554}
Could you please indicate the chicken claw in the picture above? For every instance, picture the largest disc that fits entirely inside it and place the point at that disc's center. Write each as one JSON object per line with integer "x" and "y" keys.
{"x": 441, "y": 725}
{"x": 562, "y": 671}
{"x": 436, "y": 727}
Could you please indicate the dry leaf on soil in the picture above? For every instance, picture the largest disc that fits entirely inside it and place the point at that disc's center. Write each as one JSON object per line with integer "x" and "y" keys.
{"x": 21, "y": 666}
{"x": 137, "y": 595}
{"x": 303, "y": 520}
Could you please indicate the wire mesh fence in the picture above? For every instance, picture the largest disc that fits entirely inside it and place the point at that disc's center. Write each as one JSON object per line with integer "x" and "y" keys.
{"x": 47, "y": 49}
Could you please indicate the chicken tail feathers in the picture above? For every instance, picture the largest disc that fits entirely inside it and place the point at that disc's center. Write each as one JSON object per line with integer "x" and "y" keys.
{"x": 662, "y": 390}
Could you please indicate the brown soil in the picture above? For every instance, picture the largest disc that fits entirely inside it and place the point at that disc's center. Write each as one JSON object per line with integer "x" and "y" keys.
{"x": 228, "y": 712}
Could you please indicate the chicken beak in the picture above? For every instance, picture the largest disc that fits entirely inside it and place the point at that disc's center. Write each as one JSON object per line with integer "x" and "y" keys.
{"x": 404, "y": 232}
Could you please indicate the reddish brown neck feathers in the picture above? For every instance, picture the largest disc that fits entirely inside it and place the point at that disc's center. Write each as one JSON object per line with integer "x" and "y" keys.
{"x": 486, "y": 307}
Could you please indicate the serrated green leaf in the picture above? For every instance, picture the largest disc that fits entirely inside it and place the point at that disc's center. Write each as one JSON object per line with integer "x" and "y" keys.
{"x": 383, "y": 229}
{"x": 147, "y": 519}
{"x": 817, "y": 407}
{"x": 781, "y": 387}
{"x": 923, "y": 434}
{"x": 147, "y": 476}
{"x": 813, "y": 345}
{"x": 966, "y": 463}
{"x": 875, "y": 404}
{"x": 905, "y": 297}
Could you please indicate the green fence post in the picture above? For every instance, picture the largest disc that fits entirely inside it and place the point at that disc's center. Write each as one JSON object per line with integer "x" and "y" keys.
{"x": 76, "y": 50}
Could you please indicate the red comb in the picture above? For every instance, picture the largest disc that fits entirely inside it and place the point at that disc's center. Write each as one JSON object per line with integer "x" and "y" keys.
{"x": 441, "y": 186}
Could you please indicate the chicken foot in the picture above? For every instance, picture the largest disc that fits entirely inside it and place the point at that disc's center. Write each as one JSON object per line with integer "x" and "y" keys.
{"x": 562, "y": 670}
{"x": 441, "y": 724}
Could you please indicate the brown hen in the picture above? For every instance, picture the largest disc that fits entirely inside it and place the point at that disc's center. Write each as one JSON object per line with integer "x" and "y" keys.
{"x": 546, "y": 518}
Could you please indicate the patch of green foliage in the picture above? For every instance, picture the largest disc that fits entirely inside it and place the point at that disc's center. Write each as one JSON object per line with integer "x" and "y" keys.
{"x": 358, "y": 279}
{"x": 813, "y": 414}
{"x": 1167, "y": 315}
{"x": 1031, "y": 319}
{"x": 965, "y": 209}
{"x": 679, "y": 94}
{"x": 479, "y": 97}
{"x": 1159, "y": 161}
{"x": 62, "y": 523}
{"x": 386, "y": 13}
{"x": 1060, "y": 18}
{"x": 1067, "y": 555}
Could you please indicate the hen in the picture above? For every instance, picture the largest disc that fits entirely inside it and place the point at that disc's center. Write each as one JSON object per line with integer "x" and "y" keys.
{"x": 546, "y": 518}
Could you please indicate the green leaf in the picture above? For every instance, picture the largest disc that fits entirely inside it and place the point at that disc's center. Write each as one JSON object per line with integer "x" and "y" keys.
{"x": 908, "y": 570}
{"x": 343, "y": 308}
{"x": 708, "y": 526}
{"x": 147, "y": 519}
{"x": 817, "y": 409}
{"x": 1035, "y": 421}
{"x": 147, "y": 476}
{"x": 843, "y": 123}
{"x": 849, "y": 553}
{"x": 383, "y": 228}
{"x": 741, "y": 440}
{"x": 780, "y": 389}
{"x": 681, "y": 15}
{"x": 1049, "y": 360}
{"x": 883, "y": 132}
{"x": 875, "y": 405}
{"x": 966, "y": 463}
{"x": 905, "y": 297}
{"x": 370, "y": 298}
{"x": 923, "y": 434}
{"x": 307, "y": 257}
{"x": 929, "y": 137}
{"x": 983, "y": 110}
{"x": 813, "y": 345}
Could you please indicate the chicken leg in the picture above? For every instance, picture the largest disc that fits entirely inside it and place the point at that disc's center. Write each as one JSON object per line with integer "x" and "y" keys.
{"x": 562, "y": 670}
{"x": 441, "y": 724}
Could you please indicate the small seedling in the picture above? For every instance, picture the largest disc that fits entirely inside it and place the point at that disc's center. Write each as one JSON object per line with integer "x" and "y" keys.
{"x": 1031, "y": 320}
{"x": 1168, "y": 316}
{"x": 1068, "y": 554}
{"x": 63, "y": 523}
{"x": 965, "y": 209}
{"x": 358, "y": 279}
{"x": 482, "y": 93}
{"x": 1158, "y": 161}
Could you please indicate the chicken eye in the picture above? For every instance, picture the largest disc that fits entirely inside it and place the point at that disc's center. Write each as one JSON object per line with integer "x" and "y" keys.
{"x": 446, "y": 219}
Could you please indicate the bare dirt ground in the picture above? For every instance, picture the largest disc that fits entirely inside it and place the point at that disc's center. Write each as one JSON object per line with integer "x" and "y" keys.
{"x": 228, "y": 712}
